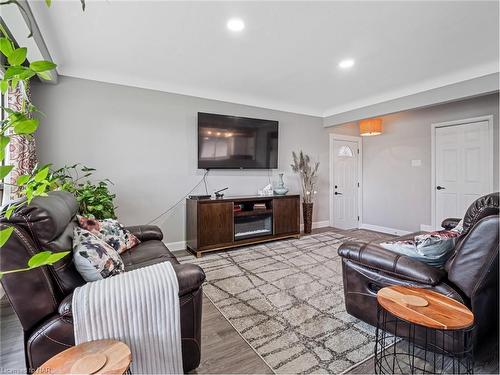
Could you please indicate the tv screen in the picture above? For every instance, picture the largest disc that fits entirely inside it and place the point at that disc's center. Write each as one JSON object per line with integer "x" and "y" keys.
{"x": 230, "y": 142}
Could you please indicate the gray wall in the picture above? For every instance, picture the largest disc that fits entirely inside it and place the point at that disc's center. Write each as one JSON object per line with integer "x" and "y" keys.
{"x": 146, "y": 142}
{"x": 395, "y": 194}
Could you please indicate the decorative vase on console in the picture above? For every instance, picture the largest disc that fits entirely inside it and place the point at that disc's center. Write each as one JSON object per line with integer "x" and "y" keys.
{"x": 308, "y": 173}
{"x": 281, "y": 188}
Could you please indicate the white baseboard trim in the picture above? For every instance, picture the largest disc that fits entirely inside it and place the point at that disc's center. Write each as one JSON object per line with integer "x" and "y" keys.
{"x": 181, "y": 245}
{"x": 317, "y": 224}
{"x": 175, "y": 246}
{"x": 376, "y": 228}
{"x": 426, "y": 228}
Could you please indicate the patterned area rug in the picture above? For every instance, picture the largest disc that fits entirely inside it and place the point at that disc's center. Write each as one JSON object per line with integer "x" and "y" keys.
{"x": 286, "y": 299}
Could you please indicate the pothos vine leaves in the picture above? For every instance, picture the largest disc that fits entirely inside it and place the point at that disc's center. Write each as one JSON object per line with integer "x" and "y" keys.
{"x": 18, "y": 73}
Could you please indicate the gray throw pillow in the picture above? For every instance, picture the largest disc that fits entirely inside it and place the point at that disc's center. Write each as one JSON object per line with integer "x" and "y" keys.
{"x": 94, "y": 259}
{"x": 433, "y": 248}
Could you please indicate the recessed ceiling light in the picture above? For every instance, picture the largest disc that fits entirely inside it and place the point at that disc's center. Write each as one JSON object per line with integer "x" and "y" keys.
{"x": 235, "y": 24}
{"x": 346, "y": 64}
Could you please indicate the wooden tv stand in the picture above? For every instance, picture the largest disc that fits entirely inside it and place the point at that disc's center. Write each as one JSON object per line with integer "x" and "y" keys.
{"x": 216, "y": 224}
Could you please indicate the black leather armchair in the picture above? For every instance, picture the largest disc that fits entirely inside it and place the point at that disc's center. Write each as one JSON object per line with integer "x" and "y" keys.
{"x": 469, "y": 276}
{"x": 42, "y": 297}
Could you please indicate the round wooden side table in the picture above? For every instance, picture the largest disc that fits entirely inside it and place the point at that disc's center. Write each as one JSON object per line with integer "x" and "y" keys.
{"x": 422, "y": 332}
{"x": 100, "y": 356}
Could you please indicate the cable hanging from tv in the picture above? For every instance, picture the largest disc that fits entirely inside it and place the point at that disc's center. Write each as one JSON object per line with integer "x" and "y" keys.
{"x": 203, "y": 179}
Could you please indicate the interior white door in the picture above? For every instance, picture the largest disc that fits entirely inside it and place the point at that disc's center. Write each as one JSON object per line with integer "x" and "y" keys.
{"x": 345, "y": 184}
{"x": 463, "y": 167}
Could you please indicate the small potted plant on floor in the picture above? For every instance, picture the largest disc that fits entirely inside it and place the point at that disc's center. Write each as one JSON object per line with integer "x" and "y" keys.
{"x": 308, "y": 174}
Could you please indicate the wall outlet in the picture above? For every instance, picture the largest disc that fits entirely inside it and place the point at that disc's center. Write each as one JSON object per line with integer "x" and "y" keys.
{"x": 416, "y": 163}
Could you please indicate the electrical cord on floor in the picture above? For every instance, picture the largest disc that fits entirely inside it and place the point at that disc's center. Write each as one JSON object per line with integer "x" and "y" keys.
{"x": 203, "y": 179}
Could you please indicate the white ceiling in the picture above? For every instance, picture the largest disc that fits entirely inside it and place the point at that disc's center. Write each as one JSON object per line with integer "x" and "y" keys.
{"x": 286, "y": 58}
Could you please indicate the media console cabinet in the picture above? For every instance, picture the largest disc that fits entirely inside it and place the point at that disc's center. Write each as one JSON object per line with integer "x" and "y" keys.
{"x": 216, "y": 224}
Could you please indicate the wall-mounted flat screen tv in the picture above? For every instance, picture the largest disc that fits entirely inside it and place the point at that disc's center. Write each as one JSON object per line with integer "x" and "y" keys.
{"x": 230, "y": 142}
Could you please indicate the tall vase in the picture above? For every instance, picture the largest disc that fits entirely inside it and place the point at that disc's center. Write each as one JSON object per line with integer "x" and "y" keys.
{"x": 281, "y": 188}
{"x": 307, "y": 212}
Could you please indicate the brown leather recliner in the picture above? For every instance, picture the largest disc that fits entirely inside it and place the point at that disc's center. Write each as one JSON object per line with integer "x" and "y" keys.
{"x": 470, "y": 275}
{"x": 42, "y": 297}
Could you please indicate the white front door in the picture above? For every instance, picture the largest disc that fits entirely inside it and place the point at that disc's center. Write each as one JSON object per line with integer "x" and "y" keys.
{"x": 345, "y": 184}
{"x": 463, "y": 168}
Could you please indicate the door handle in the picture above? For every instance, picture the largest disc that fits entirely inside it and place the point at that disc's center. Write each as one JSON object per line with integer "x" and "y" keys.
{"x": 440, "y": 187}
{"x": 337, "y": 193}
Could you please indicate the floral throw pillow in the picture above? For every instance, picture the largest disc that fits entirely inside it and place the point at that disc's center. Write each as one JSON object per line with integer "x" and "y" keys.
{"x": 111, "y": 232}
{"x": 94, "y": 259}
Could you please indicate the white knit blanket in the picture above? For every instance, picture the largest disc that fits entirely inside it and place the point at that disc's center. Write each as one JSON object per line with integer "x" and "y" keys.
{"x": 140, "y": 308}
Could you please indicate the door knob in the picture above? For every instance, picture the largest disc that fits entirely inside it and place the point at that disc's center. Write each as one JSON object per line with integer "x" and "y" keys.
{"x": 440, "y": 187}
{"x": 337, "y": 193}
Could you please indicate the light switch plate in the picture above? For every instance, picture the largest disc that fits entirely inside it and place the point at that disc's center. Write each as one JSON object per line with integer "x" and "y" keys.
{"x": 416, "y": 163}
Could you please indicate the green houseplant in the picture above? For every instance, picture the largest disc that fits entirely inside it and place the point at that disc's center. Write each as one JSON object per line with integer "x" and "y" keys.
{"x": 308, "y": 174}
{"x": 94, "y": 198}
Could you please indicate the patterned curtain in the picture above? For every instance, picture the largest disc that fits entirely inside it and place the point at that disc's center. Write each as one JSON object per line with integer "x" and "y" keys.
{"x": 21, "y": 151}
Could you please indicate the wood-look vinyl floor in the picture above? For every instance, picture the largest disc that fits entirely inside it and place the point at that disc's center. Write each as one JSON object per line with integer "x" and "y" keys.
{"x": 11, "y": 341}
{"x": 223, "y": 349}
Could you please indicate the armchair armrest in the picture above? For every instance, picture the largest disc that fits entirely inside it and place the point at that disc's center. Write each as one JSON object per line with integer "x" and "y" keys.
{"x": 450, "y": 223}
{"x": 146, "y": 232}
{"x": 65, "y": 307}
{"x": 189, "y": 276}
{"x": 376, "y": 257}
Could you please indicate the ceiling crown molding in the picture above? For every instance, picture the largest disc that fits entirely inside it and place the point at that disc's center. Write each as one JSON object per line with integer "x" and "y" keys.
{"x": 202, "y": 93}
{"x": 457, "y": 77}
{"x": 457, "y": 91}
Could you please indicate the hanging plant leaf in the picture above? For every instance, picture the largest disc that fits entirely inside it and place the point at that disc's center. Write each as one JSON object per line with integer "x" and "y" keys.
{"x": 54, "y": 257}
{"x": 45, "y": 76}
{"x": 26, "y": 74}
{"x": 5, "y": 170}
{"x": 9, "y": 211}
{"x": 4, "y": 141}
{"x": 6, "y": 47}
{"x": 26, "y": 126}
{"x": 23, "y": 179}
{"x": 4, "y": 86}
{"x": 42, "y": 174}
{"x": 18, "y": 56}
{"x": 5, "y": 234}
{"x": 39, "y": 259}
{"x": 42, "y": 66}
{"x": 13, "y": 71}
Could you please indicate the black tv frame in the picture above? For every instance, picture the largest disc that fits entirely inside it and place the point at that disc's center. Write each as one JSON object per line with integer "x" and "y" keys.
{"x": 233, "y": 117}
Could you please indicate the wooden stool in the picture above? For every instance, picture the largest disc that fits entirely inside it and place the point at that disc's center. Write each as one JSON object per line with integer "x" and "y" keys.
{"x": 100, "y": 356}
{"x": 422, "y": 331}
